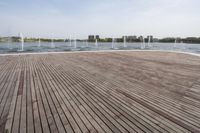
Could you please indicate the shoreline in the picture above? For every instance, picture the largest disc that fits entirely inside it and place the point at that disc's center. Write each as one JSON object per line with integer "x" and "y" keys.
{"x": 100, "y": 51}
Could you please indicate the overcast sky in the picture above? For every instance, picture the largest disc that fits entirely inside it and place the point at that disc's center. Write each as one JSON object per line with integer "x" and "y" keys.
{"x": 113, "y": 18}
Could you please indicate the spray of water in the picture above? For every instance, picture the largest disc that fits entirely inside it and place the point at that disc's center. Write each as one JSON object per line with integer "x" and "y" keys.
{"x": 113, "y": 43}
{"x": 149, "y": 41}
{"x": 96, "y": 43}
{"x": 125, "y": 41}
{"x": 75, "y": 43}
{"x": 70, "y": 41}
{"x": 39, "y": 42}
{"x": 52, "y": 43}
{"x": 22, "y": 41}
{"x": 175, "y": 43}
{"x": 143, "y": 43}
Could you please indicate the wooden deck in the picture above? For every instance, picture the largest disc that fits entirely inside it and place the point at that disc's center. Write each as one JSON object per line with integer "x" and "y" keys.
{"x": 100, "y": 92}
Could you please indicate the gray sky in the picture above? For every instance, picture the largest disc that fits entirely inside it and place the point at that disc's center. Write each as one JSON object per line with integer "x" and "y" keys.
{"x": 113, "y": 18}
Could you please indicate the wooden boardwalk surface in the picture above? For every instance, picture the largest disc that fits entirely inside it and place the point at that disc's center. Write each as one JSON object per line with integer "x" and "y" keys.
{"x": 100, "y": 92}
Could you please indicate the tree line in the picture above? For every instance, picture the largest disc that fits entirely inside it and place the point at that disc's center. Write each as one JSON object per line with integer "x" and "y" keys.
{"x": 163, "y": 40}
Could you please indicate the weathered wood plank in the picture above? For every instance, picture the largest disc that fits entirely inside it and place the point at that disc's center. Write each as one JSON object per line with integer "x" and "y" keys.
{"x": 100, "y": 92}
{"x": 17, "y": 113}
{"x": 51, "y": 99}
{"x": 23, "y": 80}
{"x": 8, "y": 112}
{"x": 42, "y": 114}
{"x": 183, "y": 117}
{"x": 35, "y": 106}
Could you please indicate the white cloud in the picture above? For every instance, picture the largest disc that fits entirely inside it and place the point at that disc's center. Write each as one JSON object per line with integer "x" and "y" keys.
{"x": 107, "y": 17}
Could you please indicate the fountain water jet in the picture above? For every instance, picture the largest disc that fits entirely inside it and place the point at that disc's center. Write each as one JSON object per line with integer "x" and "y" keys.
{"x": 143, "y": 43}
{"x": 113, "y": 43}
{"x": 22, "y": 41}
{"x": 175, "y": 42}
{"x": 39, "y": 42}
{"x": 149, "y": 42}
{"x": 8, "y": 43}
{"x": 70, "y": 41}
{"x": 52, "y": 43}
{"x": 96, "y": 43}
{"x": 125, "y": 41}
{"x": 75, "y": 43}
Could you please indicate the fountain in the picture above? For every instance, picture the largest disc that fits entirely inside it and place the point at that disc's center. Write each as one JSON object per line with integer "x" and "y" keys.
{"x": 39, "y": 42}
{"x": 149, "y": 41}
{"x": 113, "y": 43}
{"x": 143, "y": 43}
{"x": 22, "y": 41}
{"x": 70, "y": 41}
{"x": 96, "y": 43}
{"x": 125, "y": 41}
{"x": 52, "y": 43}
{"x": 175, "y": 42}
{"x": 75, "y": 43}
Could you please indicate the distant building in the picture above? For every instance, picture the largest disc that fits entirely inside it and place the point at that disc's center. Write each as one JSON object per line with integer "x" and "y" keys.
{"x": 141, "y": 38}
{"x": 97, "y": 37}
{"x": 131, "y": 38}
{"x": 91, "y": 37}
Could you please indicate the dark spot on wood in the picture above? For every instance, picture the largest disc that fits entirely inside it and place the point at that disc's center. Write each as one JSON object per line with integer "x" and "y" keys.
{"x": 21, "y": 83}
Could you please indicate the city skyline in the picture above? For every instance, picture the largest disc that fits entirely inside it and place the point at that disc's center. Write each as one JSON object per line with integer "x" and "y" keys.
{"x": 62, "y": 18}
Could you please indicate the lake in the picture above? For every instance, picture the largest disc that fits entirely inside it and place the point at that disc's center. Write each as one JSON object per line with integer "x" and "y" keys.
{"x": 14, "y": 47}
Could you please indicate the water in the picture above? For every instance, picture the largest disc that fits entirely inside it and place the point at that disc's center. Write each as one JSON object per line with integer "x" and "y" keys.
{"x": 149, "y": 42}
{"x": 96, "y": 43}
{"x": 22, "y": 41}
{"x": 70, "y": 41}
{"x": 52, "y": 44}
{"x": 124, "y": 41}
{"x": 86, "y": 43}
{"x": 39, "y": 43}
{"x": 75, "y": 44}
{"x": 143, "y": 43}
{"x": 32, "y": 47}
{"x": 113, "y": 43}
{"x": 175, "y": 43}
